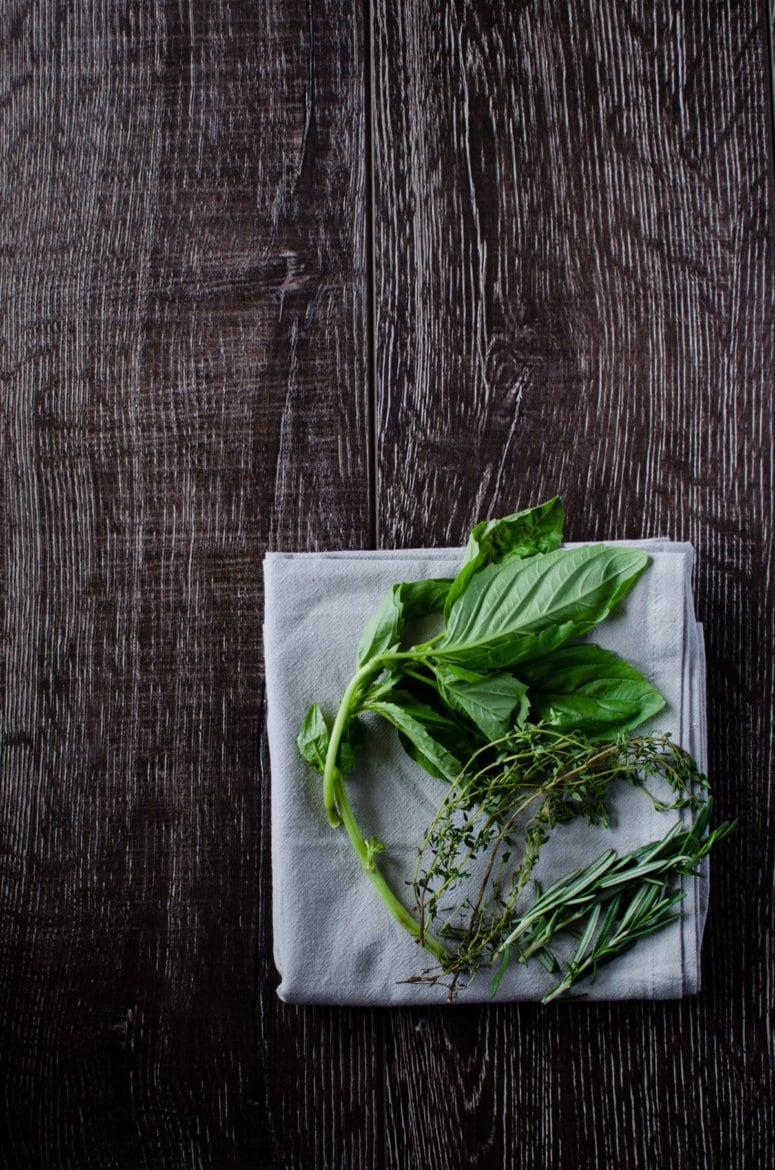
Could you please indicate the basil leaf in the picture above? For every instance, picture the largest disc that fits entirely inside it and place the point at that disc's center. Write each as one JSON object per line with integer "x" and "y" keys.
{"x": 383, "y": 629}
{"x": 534, "y": 646}
{"x": 421, "y": 598}
{"x": 585, "y": 688}
{"x": 534, "y": 530}
{"x": 415, "y": 722}
{"x": 313, "y": 738}
{"x": 419, "y": 693}
{"x": 352, "y": 740}
{"x": 405, "y": 602}
{"x": 462, "y": 673}
{"x": 565, "y": 592}
{"x": 496, "y": 703}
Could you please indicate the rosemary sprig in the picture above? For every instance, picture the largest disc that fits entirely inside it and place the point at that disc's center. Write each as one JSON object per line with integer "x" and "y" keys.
{"x": 611, "y": 903}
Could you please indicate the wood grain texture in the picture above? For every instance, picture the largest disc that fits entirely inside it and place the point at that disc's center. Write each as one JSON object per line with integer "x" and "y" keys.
{"x": 568, "y": 287}
{"x": 183, "y": 357}
{"x": 573, "y": 274}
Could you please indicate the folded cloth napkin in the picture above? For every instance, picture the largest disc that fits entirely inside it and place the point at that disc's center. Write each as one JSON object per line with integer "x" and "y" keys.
{"x": 334, "y": 941}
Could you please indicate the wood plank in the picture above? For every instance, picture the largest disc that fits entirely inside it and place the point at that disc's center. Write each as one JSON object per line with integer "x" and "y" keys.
{"x": 184, "y": 358}
{"x": 573, "y": 294}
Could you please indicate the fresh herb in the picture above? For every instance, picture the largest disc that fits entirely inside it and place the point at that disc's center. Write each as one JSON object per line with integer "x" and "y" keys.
{"x": 488, "y": 687}
{"x": 612, "y": 903}
{"x": 479, "y": 853}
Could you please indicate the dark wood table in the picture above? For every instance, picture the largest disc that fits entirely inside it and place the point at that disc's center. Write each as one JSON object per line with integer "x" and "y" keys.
{"x": 344, "y": 275}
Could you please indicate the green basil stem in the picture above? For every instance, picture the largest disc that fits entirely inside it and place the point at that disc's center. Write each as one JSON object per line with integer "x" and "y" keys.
{"x": 366, "y": 858}
{"x": 339, "y": 810}
{"x": 332, "y": 790}
{"x": 347, "y": 708}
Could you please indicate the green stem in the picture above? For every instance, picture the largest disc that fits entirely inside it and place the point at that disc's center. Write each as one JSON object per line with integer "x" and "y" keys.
{"x": 366, "y": 858}
{"x": 339, "y": 810}
{"x": 347, "y": 708}
{"x": 330, "y": 772}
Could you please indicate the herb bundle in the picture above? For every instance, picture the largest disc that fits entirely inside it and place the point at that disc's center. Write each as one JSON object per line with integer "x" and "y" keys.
{"x": 489, "y": 688}
{"x": 479, "y": 853}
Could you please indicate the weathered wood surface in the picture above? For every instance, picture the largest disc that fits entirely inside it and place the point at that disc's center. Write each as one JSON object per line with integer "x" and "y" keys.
{"x": 572, "y": 256}
{"x": 184, "y": 384}
{"x": 328, "y": 277}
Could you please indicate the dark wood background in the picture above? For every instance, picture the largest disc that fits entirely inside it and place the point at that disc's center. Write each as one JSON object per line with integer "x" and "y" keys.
{"x": 333, "y": 275}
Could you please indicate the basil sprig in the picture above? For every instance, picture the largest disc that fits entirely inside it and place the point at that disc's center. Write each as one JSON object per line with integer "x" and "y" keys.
{"x": 505, "y": 653}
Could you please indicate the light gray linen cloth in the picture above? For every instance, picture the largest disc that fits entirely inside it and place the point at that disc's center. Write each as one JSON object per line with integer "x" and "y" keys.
{"x": 334, "y": 941}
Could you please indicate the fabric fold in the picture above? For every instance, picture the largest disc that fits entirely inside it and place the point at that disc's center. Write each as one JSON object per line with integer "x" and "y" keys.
{"x": 334, "y": 942}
